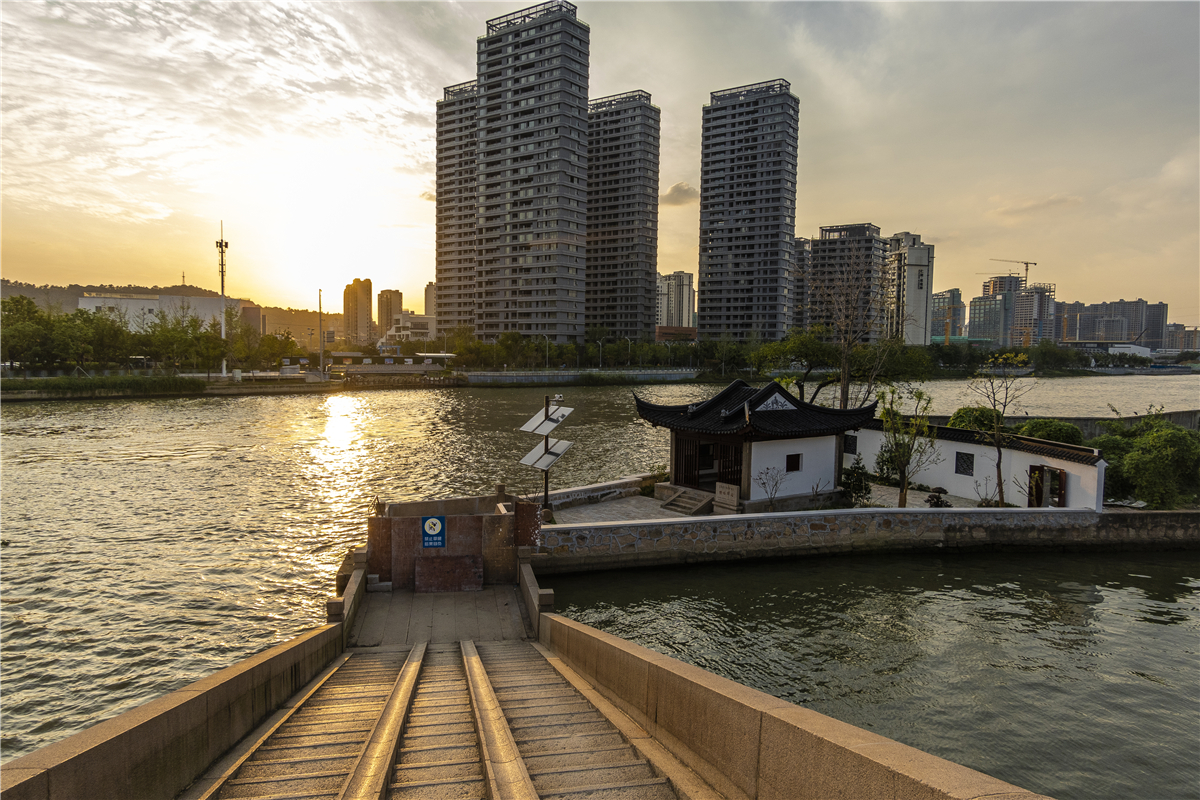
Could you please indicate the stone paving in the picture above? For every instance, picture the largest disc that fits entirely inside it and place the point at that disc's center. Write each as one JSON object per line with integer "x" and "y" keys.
{"x": 626, "y": 509}
{"x": 640, "y": 508}
{"x": 889, "y": 497}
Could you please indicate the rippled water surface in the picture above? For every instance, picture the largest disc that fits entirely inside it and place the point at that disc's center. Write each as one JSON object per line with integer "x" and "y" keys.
{"x": 1076, "y": 676}
{"x": 148, "y": 543}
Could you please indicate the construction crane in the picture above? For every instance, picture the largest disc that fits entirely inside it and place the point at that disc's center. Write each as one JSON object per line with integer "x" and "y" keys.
{"x": 947, "y": 316}
{"x": 1027, "y": 264}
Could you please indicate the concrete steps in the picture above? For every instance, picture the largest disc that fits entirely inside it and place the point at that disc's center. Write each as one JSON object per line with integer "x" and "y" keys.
{"x": 314, "y": 750}
{"x": 691, "y": 502}
{"x": 570, "y": 749}
{"x": 439, "y": 755}
{"x": 450, "y": 721}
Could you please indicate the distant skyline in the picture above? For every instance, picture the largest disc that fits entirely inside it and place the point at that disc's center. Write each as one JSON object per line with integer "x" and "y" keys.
{"x": 1062, "y": 133}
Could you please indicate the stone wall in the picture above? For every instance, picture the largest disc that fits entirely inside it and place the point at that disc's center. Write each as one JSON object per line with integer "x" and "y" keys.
{"x": 574, "y": 548}
{"x": 749, "y": 745}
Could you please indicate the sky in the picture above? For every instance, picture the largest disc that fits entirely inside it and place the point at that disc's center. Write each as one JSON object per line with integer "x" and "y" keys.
{"x": 1062, "y": 133}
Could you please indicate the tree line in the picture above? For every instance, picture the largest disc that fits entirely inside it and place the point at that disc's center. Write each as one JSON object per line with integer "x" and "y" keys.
{"x": 174, "y": 339}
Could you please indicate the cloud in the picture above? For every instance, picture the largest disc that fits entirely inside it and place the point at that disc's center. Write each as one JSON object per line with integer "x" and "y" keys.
{"x": 681, "y": 194}
{"x": 1033, "y": 207}
{"x": 430, "y": 196}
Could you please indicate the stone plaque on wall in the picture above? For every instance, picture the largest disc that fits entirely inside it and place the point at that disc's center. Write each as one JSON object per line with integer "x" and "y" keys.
{"x": 727, "y": 495}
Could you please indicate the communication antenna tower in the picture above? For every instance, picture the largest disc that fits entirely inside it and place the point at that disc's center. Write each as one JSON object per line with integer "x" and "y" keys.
{"x": 222, "y": 246}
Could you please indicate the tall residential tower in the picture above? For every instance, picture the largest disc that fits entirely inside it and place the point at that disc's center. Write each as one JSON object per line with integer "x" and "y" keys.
{"x": 748, "y": 212}
{"x": 622, "y": 215}
{"x": 457, "y": 120}
{"x": 531, "y": 168}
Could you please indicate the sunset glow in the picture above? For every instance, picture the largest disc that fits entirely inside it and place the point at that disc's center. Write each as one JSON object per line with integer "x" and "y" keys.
{"x": 1065, "y": 134}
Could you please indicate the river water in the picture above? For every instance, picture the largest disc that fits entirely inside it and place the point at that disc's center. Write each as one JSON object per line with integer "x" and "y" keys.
{"x": 148, "y": 543}
{"x": 1073, "y": 675}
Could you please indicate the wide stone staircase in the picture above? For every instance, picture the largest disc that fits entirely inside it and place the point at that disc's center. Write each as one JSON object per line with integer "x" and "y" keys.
{"x": 449, "y": 721}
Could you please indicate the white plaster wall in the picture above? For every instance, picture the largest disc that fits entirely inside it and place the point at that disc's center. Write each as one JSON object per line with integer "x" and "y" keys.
{"x": 820, "y": 455}
{"x": 1084, "y": 483}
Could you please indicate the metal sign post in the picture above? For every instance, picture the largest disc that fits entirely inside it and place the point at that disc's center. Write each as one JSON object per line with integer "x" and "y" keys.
{"x": 550, "y": 450}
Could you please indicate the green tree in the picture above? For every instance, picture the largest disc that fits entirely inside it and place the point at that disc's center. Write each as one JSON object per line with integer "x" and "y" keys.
{"x": 999, "y": 386}
{"x": 975, "y": 418}
{"x": 908, "y": 445}
{"x": 71, "y": 337}
{"x": 24, "y": 331}
{"x": 1053, "y": 430}
{"x": 1153, "y": 460}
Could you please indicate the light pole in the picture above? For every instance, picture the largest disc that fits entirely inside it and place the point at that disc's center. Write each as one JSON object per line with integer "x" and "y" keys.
{"x": 547, "y": 338}
{"x": 222, "y": 246}
{"x": 670, "y": 359}
{"x": 628, "y": 351}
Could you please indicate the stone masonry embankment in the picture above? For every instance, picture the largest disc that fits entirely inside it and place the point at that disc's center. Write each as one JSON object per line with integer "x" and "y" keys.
{"x": 596, "y": 546}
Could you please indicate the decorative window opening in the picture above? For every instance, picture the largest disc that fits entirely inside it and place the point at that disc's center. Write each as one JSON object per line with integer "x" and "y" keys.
{"x": 850, "y": 444}
{"x": 964, "y": 464}
{"x": 795, "y": 462}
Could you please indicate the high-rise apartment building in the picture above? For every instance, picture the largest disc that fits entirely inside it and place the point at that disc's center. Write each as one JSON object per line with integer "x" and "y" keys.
{"x": 1155, "y": 335}
{"x": 948, "y": 309}
{"x": 1003, "y": 283}
{"x": 457, "y": 130}
{"x": 389, "y": 303}
{"x": 910, "y": 279}
{"x": 431, "y": 305}
{"x": 356, "y": 312}
{"x": 1033, "y": 315}
{"x": 676, "y": 300}
{"x": 622, "y": 214}
{"x": 848, "y": 286}
{"x": 531, "y": 174}
{"x": 748, "y": 211}
{"x": 991, "y": 318}
{"x": 800, "y": 276}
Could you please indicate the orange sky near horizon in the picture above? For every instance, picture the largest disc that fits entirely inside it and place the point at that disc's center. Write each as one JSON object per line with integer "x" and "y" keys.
{"x": 1066, "y": 134}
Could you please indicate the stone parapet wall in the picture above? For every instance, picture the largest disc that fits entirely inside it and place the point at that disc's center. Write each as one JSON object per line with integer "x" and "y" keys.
{"x": 597, "y": 492}
{"x": 575, "y": 548}
{"x": 157, "y": 749}
{"x": 749, "y": 745}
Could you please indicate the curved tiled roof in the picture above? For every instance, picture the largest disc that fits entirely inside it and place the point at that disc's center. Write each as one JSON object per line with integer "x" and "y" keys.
{"x": 768, "y": 413}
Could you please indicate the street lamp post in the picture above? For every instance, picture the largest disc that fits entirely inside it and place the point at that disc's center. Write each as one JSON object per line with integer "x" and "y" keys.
{"x": 547, "y": 338}
{"x": 670, "y": 357}
{"x": 628, "y": 351}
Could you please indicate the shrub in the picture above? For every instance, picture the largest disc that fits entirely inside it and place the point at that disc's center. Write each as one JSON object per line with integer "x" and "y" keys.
{"x": 975, "y": 418}
{"x": 1155, "y": 461}
{"x": 856, "y": 482}
{"x": 1052, "y": 430}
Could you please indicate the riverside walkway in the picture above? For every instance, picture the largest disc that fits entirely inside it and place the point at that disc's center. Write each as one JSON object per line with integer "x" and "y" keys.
{"x": 443, "y": 696}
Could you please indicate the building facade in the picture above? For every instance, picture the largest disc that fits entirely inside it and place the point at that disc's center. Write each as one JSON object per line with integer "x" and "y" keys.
{"x": 990, "y": 319}
{"x": 948, "y": 311}
{"x": 356, "y": 312}
{"x": 803, "y": 255}
{"x": 1033, "y": 315}
{"x": 531, "y": 174}
{"x": 676, "y": 300}
{"x": 389, "y": 303}
{"x": 748, "y": 164}
{"x": 622, "y": 215}
{"x": 457, "y": 131}
{"x": 848, "y": 287}
{"x": 910, "y": 279}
